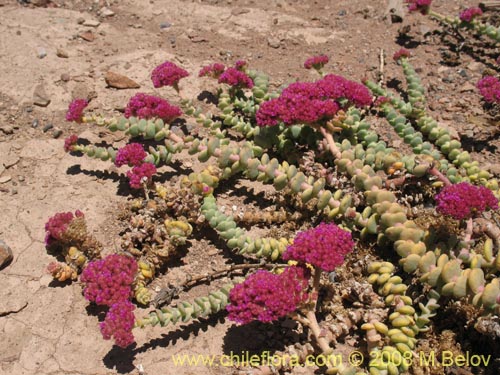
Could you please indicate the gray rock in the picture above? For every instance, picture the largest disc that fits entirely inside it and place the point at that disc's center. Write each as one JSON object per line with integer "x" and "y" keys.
{"x": 5, "y": 254}
{"x": 165, "y": 25}
{"x": 273, "y": 42}
{"x": 56, "y": 133}
{"x": 47, "y": 127}
{"x": 106, "y": 12}
{"x": 91, "y": 23}
{"x": 40, "y": 97}
{"x": 35, "y": 124}
{"x": 41, "y": 52}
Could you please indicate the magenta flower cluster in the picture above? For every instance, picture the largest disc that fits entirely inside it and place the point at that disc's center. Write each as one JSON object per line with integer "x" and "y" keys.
{"x": 266, "y": 296}
{"x": 324, "y": 246}
{"x": 132, "y": 154}
{"x": 489, "y": 88}
{"x": 119, "y": 323}
{"x": 109, "y": 280}
{"x": 57, "y": 225}
{"x": 403, "y": 52}
{"x": 468, "y": 14}
{"x": 422, "y": 6}
{"x": 149, "y": 106}
{"x": 463, "y": 200}
{"x": 213, "y": 70}
{"x": 141, "y": 173}
{"x": 75, "y": 110}
{"x": 70, "y": 142}
{"x": 167, "y": 74}
{"x": 312, "y": 102}
{"x": 236, "y": 78}
{"x": 240, "y": 65}
{"x": 316, "y": 62}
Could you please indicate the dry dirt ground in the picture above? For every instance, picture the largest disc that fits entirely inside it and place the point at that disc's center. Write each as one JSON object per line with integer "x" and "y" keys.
{"x": 46, "y": 328}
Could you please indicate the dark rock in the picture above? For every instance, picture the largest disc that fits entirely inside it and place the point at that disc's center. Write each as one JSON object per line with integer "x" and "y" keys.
{"x": 56, "y": 133}
{"x": 5, "y": 254}
{"x": 47, "y": 127}
{"x": 165, "y": 25}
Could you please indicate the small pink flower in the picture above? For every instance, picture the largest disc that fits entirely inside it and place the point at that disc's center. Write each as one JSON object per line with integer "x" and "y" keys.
{"x": 141, "y": 174}
{"x": 422, "y": 6}
{"x": 236, "y": 79}
{"x": 75, "y": 110}
{"x": 324, "y": 246}
{"x": 119, "y": 323}
{"x": 266, "y": 296}
{"x": 132, "y": 154}
{"x": 403, "y": 52}
{"x": 469, "y": 14}
{"x": 489, "y": 88}
{"x": 240, "y": 65}
{"x": 316, "y": 62}
{"x": 57, "y": 225}
{"x": 167, "y": 74}
{"x": 109, "y": 280}
{"x": 214, "y": 70}
{"x": 70, "y": 142}
{"x": 463, "y": 200}
{"x": 149, "y": 106}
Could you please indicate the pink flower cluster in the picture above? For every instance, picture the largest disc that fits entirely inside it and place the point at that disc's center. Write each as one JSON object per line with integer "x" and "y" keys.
{"x": 240, "y": 65}
{"x": 167, "y": 74}
{"x": 140, "y": 173}
{"x": 266, "y": 297}
{"x": 132, "y": 154}
{"x": 463, "y": 200}
{"x": 75, "y": 110}
{"x": 403, "y": 52}
{"x": 381, "y": 100}
{"x": 489, "y": 87}
{"x": 236, "y": 78}
{"x": 423, "y": 6}
{"x": 468, "y": 14}
{"x": 119, "y": 323}
{"x": 57, "y": 225}
{"x": 316, "y": 62}
{"x": 324, "y": 246}
{"x": 213, "y": 70}
{"x": 70, "y": 142}
{"x": 312, "y": 102}
{"x": 148, "y": 106}
{"x": 109, "y": 280}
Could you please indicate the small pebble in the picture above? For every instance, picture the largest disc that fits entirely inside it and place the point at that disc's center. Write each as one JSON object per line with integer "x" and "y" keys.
{"x": 29, "y": 109}
{"x": 65, "y": 77}
{"x": 41, "y": 52}
{"x": 165, "y": 25}
{"x": 56, "y": 133}
{"x": 21, "y": 178}
{"x": 47, "y": 127}
{"x": 5, "y": 254}
{"x": 35, "y": 124}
